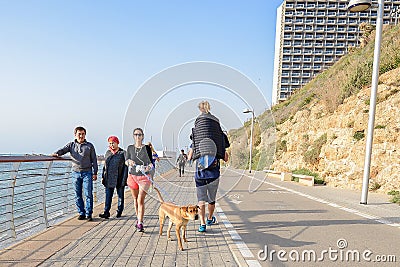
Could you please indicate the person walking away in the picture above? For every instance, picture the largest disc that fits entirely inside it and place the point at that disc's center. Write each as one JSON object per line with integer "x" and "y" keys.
{"x": 208, "y": 147}
{"x": 114, "y": 176}
{"x": 84, "y": 171}
{"x": 138, "y": 159}
{"x": 181, "y": 161}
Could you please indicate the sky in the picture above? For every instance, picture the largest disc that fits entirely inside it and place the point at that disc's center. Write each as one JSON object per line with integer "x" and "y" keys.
{"x": 84, "y": 63}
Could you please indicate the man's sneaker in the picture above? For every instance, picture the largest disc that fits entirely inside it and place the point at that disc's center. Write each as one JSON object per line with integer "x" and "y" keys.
{"x": 202, "y": 228}
{"x": 212, "y": 221}
{"x": 89, "y": 218}
{"x": 81, "y": 217}
{"x": 104, "y": 215}
{"x": 139, "y": 227}
{"x": 119, "y": 214}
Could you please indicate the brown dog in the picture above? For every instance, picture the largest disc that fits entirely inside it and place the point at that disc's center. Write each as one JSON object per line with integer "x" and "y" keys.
{"x": 179, "y": 216}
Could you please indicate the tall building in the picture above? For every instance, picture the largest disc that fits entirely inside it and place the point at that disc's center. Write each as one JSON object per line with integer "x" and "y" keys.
{"x": 311, "y": 35}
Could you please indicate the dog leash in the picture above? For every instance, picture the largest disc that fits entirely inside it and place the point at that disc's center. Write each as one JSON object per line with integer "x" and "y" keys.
{"x": 165, "y": 193}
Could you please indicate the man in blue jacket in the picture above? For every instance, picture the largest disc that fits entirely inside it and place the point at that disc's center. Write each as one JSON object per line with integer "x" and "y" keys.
{"x": 84, "y": 170}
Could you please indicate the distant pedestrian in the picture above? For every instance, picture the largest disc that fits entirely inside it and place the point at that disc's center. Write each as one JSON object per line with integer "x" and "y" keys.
{"x": 138, "y": 159}
{"x": 114, "y": 176}
{"x": 154, "y": 158}
{"x": 181, "y": 161}
{"x": 84, "y": 170}
{"x": 208, "y": 147}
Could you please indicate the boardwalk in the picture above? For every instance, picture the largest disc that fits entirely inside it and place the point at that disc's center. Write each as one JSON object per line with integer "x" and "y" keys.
{"x": 115, "y": 242}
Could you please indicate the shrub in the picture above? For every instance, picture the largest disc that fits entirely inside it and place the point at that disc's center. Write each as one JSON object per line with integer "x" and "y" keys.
{"x": 375, "y": 186}
{"x": 311, "y": 156}
{"x": 359, "y": 135}
{"x": 395, "y": 196}
{"x": 380, "y": 127}
{"x": 282, "y": 146}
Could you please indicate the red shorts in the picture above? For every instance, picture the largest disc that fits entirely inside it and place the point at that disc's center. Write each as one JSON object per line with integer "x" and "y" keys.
{"x": 134, "y": 182}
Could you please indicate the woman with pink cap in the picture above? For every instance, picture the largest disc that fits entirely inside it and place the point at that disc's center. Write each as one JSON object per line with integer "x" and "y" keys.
{"x": 114, "y": 176}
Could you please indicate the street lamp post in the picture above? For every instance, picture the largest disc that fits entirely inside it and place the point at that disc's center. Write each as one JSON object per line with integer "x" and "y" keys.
{"x": 251, "y": 134}
{"x": 358, "y": 6}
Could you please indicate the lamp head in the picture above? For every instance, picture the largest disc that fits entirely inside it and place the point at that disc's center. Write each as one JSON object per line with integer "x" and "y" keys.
{"x": 359, "y": 5}
{"x": 247, "y": 110}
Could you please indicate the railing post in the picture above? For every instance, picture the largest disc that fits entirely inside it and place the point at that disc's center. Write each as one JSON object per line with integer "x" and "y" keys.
{"x": 95, "y": 200}
{"x": 66, "y": 186}
{"x": 44, "y": 220}
{"x": 10, "y": 225}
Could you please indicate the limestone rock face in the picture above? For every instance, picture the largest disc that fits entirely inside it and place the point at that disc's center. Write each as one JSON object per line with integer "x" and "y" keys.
{"x": 341, "y": 158}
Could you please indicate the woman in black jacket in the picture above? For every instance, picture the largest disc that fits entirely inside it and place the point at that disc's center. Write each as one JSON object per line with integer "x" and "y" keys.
{"x": 114, "y": 176}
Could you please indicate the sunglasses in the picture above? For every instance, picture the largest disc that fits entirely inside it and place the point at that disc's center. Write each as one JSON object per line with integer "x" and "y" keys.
{"x": 137, "y": 134}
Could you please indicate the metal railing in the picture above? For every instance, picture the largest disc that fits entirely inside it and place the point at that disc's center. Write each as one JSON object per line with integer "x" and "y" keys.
{"x": 36, "y": 192}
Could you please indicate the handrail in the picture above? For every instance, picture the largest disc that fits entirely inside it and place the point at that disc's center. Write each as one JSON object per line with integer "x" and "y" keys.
{"x": 31, "y": 158}
{"x": 36, "y": 191}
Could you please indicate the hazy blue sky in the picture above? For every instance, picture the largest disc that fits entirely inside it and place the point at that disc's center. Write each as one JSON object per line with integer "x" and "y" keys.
{"x": 69, "y": 63}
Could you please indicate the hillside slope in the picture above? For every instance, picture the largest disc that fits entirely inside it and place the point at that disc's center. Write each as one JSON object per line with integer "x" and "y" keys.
{"x": 322, "y": 127}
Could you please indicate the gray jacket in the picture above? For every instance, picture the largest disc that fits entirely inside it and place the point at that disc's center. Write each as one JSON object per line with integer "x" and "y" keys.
{"x": 83, "y": 156}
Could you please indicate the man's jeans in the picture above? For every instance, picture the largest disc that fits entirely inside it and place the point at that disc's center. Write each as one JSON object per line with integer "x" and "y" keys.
{"x": 109, "y": 196}
{"x": 83, "y": 180}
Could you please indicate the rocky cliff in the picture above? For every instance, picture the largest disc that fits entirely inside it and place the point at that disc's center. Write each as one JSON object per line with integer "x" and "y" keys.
{"x": 340, "y": 160}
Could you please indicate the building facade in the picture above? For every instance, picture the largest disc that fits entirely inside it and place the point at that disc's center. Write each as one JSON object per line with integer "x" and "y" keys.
{"x": 311, "y": 35}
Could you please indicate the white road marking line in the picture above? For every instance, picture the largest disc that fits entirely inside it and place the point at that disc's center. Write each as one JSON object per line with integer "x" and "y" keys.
{"x": 253, "y": 263}
{"x": 234, "y": 235}
{"x": 226, "y": 223}
{"x": 244, "y": 250}
{"x": 237, "y": 239}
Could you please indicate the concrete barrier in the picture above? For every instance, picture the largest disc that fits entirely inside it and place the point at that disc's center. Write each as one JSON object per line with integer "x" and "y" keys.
{"x": 287, "y": 176}
{"x": 305, "y": 179}
{"x": 272, "y": 173}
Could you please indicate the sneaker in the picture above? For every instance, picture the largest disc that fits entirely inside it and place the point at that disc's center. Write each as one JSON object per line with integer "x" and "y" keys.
{"x": 89, "y": 218}
{"x": 104, "y": 215}
{"x": 202, "y": 228}
{"x": 81, "y": 217}
{"x": 119, "y": 214}
{"x": 212, "y": 221}
{"x": 139, "y": 227}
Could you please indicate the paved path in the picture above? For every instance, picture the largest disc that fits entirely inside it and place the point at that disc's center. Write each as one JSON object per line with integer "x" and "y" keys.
{"x": 115, "y": 242}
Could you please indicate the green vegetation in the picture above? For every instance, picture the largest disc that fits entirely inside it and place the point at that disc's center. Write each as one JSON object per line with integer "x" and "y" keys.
{"x": 311, "y": 156}
{"x": 359, "y": 135}
{"x": 380, "y": 127}
{"x": 395, "y": 196}
{"x": 374, "y": 186}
